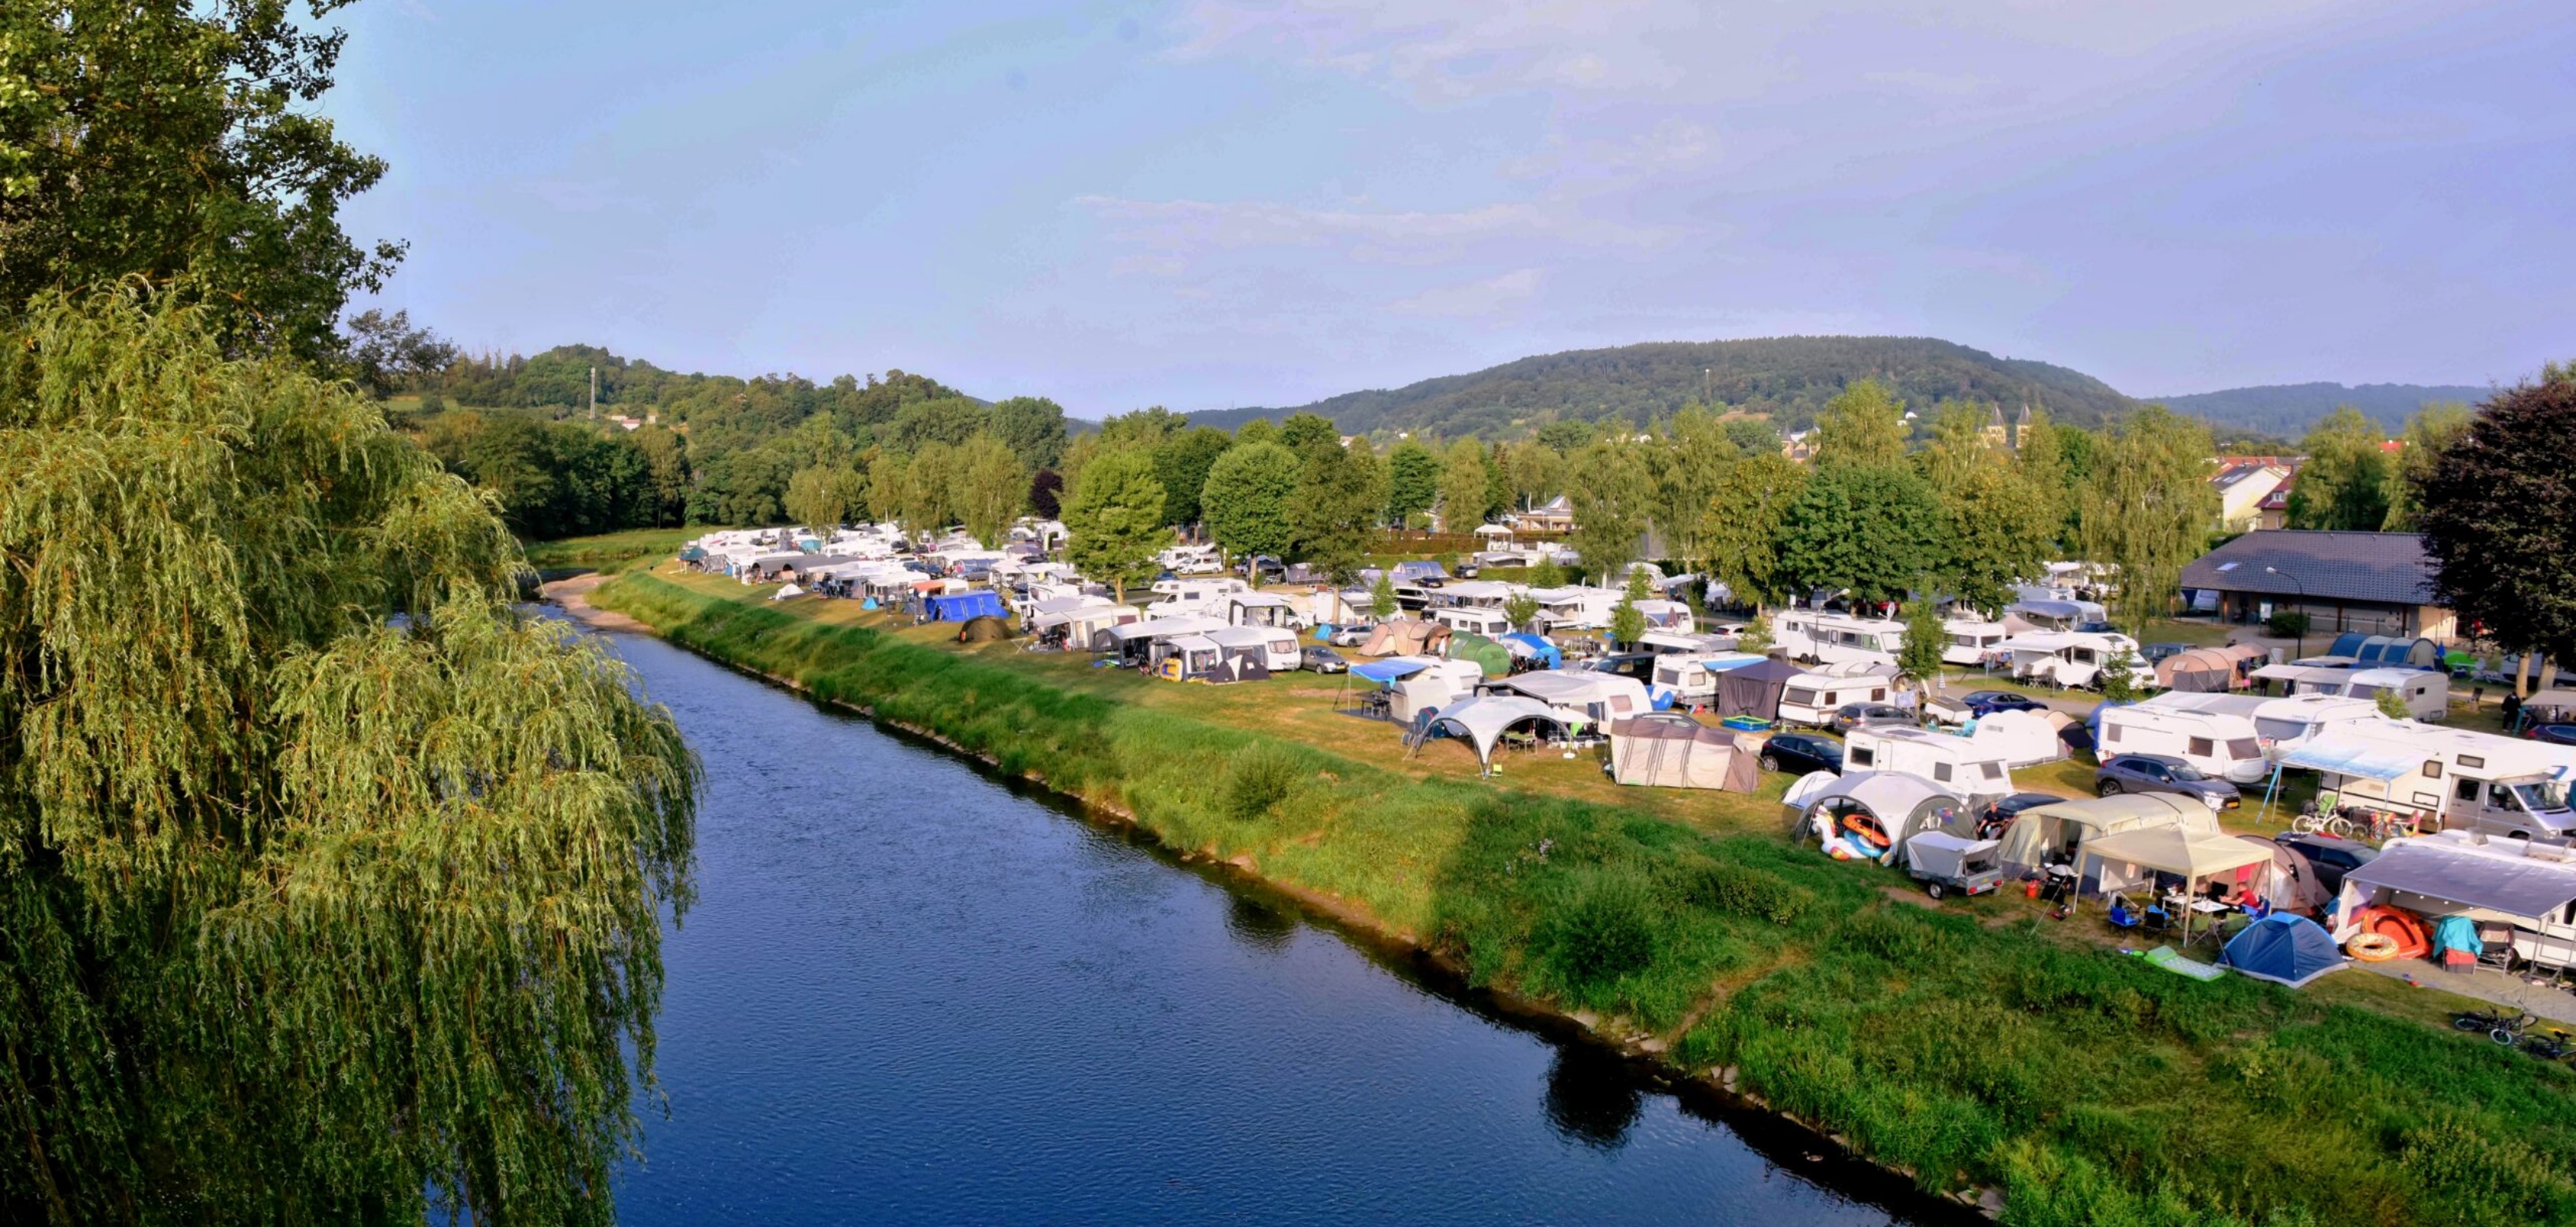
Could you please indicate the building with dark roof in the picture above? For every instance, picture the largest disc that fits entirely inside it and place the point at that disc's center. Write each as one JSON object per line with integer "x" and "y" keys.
{"x": 2375, "y": 583}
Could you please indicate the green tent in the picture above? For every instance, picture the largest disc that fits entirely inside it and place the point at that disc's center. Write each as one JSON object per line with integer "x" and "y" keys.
{"x": 1492, "y": 657}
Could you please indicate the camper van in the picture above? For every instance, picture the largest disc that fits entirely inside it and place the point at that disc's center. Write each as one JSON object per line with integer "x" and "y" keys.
{"x": 1487, "y": 622}
{"x": 2426, "y": 694}
{"x": 1277, "y": 647}
{"x": 1190, "y": 560}
{"x": 1955, "y": 763}
{"x": 2074, "y": 658}
{"x": 2500, "y": 786}
{"x": 1968, "y": 641}
{"x": 1204, "y": 597}
{"x": 2220, "y": 744}
{"x": 1575, "y": 607}
{"x": 1689, "y": 679}
{"x": 1831, "y": 638}
{"x": 1811, "y": 697}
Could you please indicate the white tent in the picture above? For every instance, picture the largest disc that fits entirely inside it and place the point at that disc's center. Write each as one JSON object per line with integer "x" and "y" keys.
{"x": 1895, "y": 804}
{"x": 1481, "y": 721}
{"x": 2020, "y": 738}
{"x": 2043, "y": 832}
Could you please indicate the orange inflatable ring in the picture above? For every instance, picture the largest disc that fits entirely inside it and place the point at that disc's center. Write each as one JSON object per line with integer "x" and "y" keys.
{"x": 2371, "y": 947}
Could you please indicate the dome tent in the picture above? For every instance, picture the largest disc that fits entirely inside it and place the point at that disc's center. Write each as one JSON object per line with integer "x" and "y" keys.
{"x": 2284, "y": 949}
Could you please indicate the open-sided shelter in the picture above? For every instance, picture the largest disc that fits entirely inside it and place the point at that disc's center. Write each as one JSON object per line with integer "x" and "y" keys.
{"x": 1481, "y": 722}
{"x": 2128, "y": 859}
{"x": 2046, "y": 833}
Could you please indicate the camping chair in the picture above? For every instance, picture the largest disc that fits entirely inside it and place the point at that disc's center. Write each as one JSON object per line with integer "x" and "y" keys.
{"x": 2123, "y": 917}
{"x": 2156, "y": 920}
{"x": 2495, "y": 945}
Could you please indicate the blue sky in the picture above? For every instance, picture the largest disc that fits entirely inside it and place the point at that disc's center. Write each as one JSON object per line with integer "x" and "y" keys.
{"x": 1224, "y": 202}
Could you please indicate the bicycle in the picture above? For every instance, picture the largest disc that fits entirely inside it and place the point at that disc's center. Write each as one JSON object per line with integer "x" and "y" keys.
{"x": 2329, "y": 821}
{"x": 2501, "y": 1027}
{"x": 2555, "y": 1046}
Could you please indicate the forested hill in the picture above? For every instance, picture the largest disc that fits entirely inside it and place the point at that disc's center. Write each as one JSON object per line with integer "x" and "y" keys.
{"x": 2287, "y": 409}
{"x": 1787, "y": 377}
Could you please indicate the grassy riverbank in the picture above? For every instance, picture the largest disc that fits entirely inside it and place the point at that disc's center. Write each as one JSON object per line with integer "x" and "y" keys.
{"x": 1970, "y": 1043}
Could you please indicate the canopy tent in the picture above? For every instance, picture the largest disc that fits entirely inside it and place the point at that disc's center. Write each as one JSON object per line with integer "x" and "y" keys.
{"x": 2020, "y": 738}
{"x": 1894, "y": 805}
{"x": 2198, "y": 669}
{"x": 1389, "y": 672}
{"x": 1492, "y": 657}
{"x": 2043, "y": 832}
{"x": 2283, "y": 949}
{"x": 2512, "y": 886}
{"x": 1805, "y": 789}
{"x": 1522, "y": 643}
{"x": 1679, "y": 752}
{"x": 1482, "y": 721}
{"x": 1754, "y": 690}
{"x": 2191, "y": 855}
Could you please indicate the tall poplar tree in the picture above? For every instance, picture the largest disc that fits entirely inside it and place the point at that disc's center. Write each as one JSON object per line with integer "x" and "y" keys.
{"x": 2147, "y": 510}
{"x": 989, "y": 488}
{"x": 1613, "y": 498}
{"x": 333, "y": 887}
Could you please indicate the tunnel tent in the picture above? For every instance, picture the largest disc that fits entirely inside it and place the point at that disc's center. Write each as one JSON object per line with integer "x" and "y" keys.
{"x": 2284, "y": 949}
{"x": 1481, "y": 721}
{"x": 983, "y": 628}
{"x": 1755, "y": 689}
{"x": 2386, "y": 651}
{"x": 1492, "y": 657}
{"x": 1668, "y": 751}
{"x": 2198, "y": 670}
{"x": 1870, "y": 814}
{"x": 961, "y": 606}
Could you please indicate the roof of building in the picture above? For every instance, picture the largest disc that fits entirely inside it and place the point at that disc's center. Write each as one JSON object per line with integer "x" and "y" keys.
{"x": 2382, "y": 568}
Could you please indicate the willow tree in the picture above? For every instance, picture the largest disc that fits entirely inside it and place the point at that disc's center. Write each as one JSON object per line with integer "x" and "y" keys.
{"x": 2147, "y": 510}
{"x": 331, "y": 888}
{"x": 990, "y": 488}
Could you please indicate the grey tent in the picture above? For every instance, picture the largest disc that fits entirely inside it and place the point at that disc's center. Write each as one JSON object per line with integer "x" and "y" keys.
{"x": 1754, "y": 690}
{"x": 1870, "y": 814}
{"x": 2290, "y": 884}
{"x": 1482, "y": 721}
{"x": 2197, "y": 669}
{"x": 1669, "y": 751}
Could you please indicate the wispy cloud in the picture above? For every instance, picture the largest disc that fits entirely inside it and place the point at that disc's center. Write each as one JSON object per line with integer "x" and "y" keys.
{"x": 1491, "y": 296}
{"x": 1183, "y": 225}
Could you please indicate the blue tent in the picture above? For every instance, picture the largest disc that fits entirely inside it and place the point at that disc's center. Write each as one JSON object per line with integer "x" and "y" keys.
{"x": 1547, "y": 653}
{"x": 2284, "y": 949}
{"x": 958, "y": 607}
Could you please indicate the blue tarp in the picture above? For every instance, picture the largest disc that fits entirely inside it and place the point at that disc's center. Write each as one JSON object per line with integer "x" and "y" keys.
{"x": 2284, "y": 949}
{"x": 2457, "y": 933}
{"x": 1721, "y": 666}
{"x": 1546, "y": 652}
{"x": 963, "y": 605}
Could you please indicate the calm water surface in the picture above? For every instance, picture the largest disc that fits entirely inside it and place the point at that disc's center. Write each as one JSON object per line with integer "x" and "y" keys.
{"x": 912, "y": 993}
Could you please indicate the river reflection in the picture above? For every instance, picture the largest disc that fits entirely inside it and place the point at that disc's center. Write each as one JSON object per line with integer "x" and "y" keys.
{"x": 910, "y": 993}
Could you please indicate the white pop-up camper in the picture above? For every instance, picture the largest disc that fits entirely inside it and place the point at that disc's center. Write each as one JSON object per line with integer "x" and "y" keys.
{"x": 2218, "y": 743}
{"x": 2457, "y": 779}
{"x": 1811, "y": 697}
{"x": 1831, "y": 638}
{"x": 1956, "y": 763}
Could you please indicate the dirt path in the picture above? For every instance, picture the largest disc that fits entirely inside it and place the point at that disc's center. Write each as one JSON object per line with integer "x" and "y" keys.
{"x": 573, "y": 597}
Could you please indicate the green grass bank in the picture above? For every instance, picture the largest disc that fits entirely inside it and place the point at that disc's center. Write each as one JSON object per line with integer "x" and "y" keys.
{"x": 1968, "y": 1044}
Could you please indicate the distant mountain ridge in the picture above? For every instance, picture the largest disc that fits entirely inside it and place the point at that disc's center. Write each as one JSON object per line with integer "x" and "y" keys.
{"x": 1789, "y": 378}
{"x": 2288, "y": 409}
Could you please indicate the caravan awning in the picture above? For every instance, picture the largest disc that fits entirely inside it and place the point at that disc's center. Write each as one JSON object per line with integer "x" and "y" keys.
{"x": 2512, "y": 886}
{"x": 1393, "y": 669}
{"x": 2327, "y": 753}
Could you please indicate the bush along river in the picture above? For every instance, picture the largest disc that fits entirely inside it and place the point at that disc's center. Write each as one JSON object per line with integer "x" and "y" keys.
{"x": 913, "y": 991}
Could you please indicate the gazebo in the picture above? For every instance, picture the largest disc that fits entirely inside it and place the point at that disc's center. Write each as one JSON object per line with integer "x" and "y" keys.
{"x": 2188, "y": 854}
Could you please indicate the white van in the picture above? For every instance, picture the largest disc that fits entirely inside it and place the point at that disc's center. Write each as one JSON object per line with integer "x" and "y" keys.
{"x": 1811, "y": 697}
{"x": 2219, "y": 744}
{"x": 1475, "y": 621}
{"x": 1953, "y": 762}
{"x": 1278, "y": 646}
{"x": 2502, "y": 786}
{"x": 1832, "y": 638}
{"x": 1968, "y": 641}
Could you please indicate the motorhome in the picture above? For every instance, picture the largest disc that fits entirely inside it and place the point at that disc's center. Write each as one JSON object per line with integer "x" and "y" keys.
{"x": 1811, "y": 697}
{"x": 2220, "y": 744}
{"x": 1953, "y": 762}
{"x": 2284, "y": 723}
{"x": 2074, "y": 658}
{"x": 1261, "y": 609}
{"x": 1205, "y": 597}
{"x": 1191, "y": 560}
{"x": 1575, "y": 607}
{"x": 1832, "y": 638}
{"x": 2464, "y": 780}
{"x": 1970, "y": 641}
{"x": 1474, "y": 620}
{"x": 1689, "y": 679}
{"x": 1277, "y": 647}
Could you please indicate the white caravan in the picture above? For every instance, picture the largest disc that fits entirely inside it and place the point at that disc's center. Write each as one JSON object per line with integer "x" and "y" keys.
{"x": 2426, "y": 694}
{"x": 1474, "y": 620}
{"x": 1955, "y": 763}
{"x": 1278, "y": 647}
{"x": 1191, "y": 560}
{"x": 1968, "y": 641}
{"x": 1194, "y": 597}
{"x": 2284, "y": 723}
{"x": 2221, "y": 745}
{"x": 1811, "y": 697}
{"x": 2470, "y": 781}
{"x": 2074, "y": 658}
{"x": 1832, "y": 638}
{"x": 1689, "y": 679}
{"x": 1261, "y": 609}
{"x": 1575, "y": 607}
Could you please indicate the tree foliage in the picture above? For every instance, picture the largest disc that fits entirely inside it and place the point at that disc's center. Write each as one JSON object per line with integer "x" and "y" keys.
{"x": 826, "y": 496}
{"x": 1412, "y": 481}
{"x": 988, "y": 487}
{"x": 1861, "y": 529}
{"x": 2148, "y": 509}
{"x": 2427, "y": 435}
{"x": 1115, "y": 518}
{"x": 2498, "y": 521}
{"x": 1920, "y": 655}
{"x": 1627, "y": 622}
{"x": 311, "y": 915}
{"x": 1466, "y": 488}
{"x": 1613, "y": 498}
{"x": 1245, "y": 502}
{"x": 1181, "y": 463}
{"x": 2345, "y": 482}
{"x": 1340, "y": 491}
{"x": 1864, "y": 427}
{"x": 1743, "y": 529}
{"x": 1689, "y": 462}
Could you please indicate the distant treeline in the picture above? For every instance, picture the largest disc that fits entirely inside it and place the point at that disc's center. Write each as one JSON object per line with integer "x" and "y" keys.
{"x": 2289, "y": 410}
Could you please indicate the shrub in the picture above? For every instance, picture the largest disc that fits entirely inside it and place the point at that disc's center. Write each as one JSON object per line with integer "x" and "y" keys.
{"x": 1605, "y": 932}
{"x": 1260, "y": 776}
{"x": 1741, "y": 890}
{"x": 2286, "y": 624}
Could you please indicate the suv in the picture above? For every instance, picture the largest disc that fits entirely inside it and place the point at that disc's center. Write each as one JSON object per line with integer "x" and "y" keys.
{"x": 2332, "y": 857}
{"x": 2163, "y": 773}
{"x": 1801, "y": 753}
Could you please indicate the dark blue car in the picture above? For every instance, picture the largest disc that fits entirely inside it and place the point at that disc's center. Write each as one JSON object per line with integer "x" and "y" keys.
{"x": 1987, "y": 702}
{"x": 1800, "y": 753}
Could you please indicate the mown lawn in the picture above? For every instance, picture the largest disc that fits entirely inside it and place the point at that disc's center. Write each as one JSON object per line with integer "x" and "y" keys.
{"x": 609, "y": 552}
{"x": 1973, "y": 1042}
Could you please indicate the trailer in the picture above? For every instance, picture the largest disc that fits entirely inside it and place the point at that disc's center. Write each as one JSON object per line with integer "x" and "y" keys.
{"x": 2219, "y": 743}
{"x": 1954, "y": 762}
{"x": 1811, "y": 697}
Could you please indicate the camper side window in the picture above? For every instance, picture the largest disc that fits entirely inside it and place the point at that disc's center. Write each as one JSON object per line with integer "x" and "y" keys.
{"x": 2110, "y": 732}
{"x": 1941, "y": 772}
{"x": 1861, "y": 756}
{"x": 2201, "y": 747}
{"x": 1993, "y": 771}
{"x": 1879, "y": 695}
{"x": 2472, "y": 760}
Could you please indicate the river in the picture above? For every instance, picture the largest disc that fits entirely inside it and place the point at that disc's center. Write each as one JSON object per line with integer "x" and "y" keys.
{"x": 912, "y": 992}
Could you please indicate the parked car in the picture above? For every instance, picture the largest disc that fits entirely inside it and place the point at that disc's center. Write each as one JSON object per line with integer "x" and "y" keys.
{"x": 2155, "y": 652}
{"x": 1850, "y": 716}
{"x": 1637, "y": 665}
{"x": 2095, "y": 628}
{"x": 1994, "y": 818}
{"x": 2163, "y": 773}
{"x": 1987, "y": 702}
{"x": 2554, "y": 734}
{"x": 1351, "y": 635}
{"x": 2333, "y": 857}
{"x": 1322, "y": 659}
{"x": 1800, "y": 753}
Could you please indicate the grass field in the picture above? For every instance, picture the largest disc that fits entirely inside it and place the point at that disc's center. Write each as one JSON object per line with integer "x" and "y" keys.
{"x": 611, "y": 552}
{"x": 1972, "y": 1042}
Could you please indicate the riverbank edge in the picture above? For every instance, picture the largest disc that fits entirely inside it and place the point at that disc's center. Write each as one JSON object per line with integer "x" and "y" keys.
{"x": 1344, "y": 915}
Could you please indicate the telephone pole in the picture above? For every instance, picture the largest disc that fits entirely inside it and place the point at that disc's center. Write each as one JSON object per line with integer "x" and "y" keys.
{"x": 594, "y": 394}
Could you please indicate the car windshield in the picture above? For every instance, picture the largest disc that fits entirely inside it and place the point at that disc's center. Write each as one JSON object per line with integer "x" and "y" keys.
{"x": 2546, "y": 795}
{"x": 2184, "y": 771}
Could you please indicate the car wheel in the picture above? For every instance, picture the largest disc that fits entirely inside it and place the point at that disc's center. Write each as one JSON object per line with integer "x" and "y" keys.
{"x": 1770, "y": 763}
{"x": 2108, "y": 788}
{"x": 2525, "y": 836}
